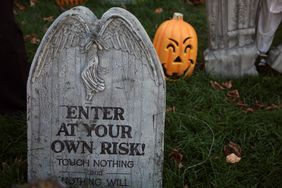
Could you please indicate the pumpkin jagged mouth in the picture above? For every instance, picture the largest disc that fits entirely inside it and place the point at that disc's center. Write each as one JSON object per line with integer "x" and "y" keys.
{"x": 175, "y": 74}
{"x": 191, "y": 63}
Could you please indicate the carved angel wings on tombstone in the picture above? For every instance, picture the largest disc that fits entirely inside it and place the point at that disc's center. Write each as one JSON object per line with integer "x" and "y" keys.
{"x": 79, "y": 34}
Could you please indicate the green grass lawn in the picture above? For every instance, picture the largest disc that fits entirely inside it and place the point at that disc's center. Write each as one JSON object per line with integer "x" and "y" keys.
{"x": 200, "y": 119}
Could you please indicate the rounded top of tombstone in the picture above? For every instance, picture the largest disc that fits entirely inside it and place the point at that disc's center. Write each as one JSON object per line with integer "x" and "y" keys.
{"x": 177, "y": 16}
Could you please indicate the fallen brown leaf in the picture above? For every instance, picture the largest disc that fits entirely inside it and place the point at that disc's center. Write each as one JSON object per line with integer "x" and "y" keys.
{"x": 48, "y": 18}
{"x": 180, "y": 165}
{"x": 232, "y": 158}
{"x": 32, "y": 2}
{"x": 272, "y": 107}
{"x": 249, "y": 110}
{"x": 234, "y": 97}
{"x": 227, "y": 85}
{"x": 176, "y": 156}
{"x": 159, "y": 10}
{"x": 234, "y": 94}
{"x": 170, "y": 109}
{"x": 232, "y": 147}
{"x": 241, "y": 104}
{"x": 259, "y": 105}
{"x": 33, "y": 38}
{"x": 216, "y": 85}
{"x": 20, "y": 6}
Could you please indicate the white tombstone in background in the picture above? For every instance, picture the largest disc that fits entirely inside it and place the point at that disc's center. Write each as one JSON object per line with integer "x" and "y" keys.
{"x": 96, "y": 103}
{"x": 231, "y": 51}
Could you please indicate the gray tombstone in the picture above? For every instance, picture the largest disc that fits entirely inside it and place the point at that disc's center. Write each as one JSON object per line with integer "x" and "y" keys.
{"x": 96, "y": 103}
{"x": 231, "y": 51}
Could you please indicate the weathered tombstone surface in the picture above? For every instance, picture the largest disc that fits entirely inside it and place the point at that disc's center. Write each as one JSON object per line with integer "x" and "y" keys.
{"x": 96, "y": 103}
{"x": 232, "y": 50}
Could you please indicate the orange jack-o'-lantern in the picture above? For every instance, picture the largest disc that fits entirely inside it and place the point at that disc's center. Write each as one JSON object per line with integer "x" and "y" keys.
{"x": 69, "y": 3}
{"x": 176, "y": 44}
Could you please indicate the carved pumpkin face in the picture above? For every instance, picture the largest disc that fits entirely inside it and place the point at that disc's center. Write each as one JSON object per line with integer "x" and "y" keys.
{"x": 176, "y": 44}
{"x": 69, "y": 3}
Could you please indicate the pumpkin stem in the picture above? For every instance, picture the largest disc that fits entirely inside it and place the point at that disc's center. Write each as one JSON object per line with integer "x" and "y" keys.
{"x": 177, "y": 16}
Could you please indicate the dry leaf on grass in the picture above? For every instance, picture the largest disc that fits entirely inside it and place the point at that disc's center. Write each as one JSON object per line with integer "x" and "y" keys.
{"x": 33, "y": 38}
{"x": 216, "y": 85}
{"x": 20, "y": 6}
{"x": 248, "y": 110}
{"x": 232, "y": 158}
{"x": 259, "y": 105}
{"x": 224, "y": 85}
{"x": 180, "y": 165}
{"x": 272, "y": 107}
{"x": 241, "y": 104}
{"x": 233, "y": 95}
{"x": 232, "y": 147}
{"x": 170, "y": 109}
{"x": 159, "y": 10}
{"x": 227, "y": 85}
{"x": 32, "y": 2}
{"x": 48, "y": 18}
{"x": 232, "y": 152}
{"x": 177, "y": 157}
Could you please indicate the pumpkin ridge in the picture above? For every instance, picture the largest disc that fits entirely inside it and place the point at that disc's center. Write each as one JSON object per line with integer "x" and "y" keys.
{"x": 170, "y": 56}
{"x": 160, "y": 31}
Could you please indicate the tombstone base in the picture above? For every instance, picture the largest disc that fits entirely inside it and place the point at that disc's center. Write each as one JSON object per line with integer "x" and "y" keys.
{"x": 232, "y": 62}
